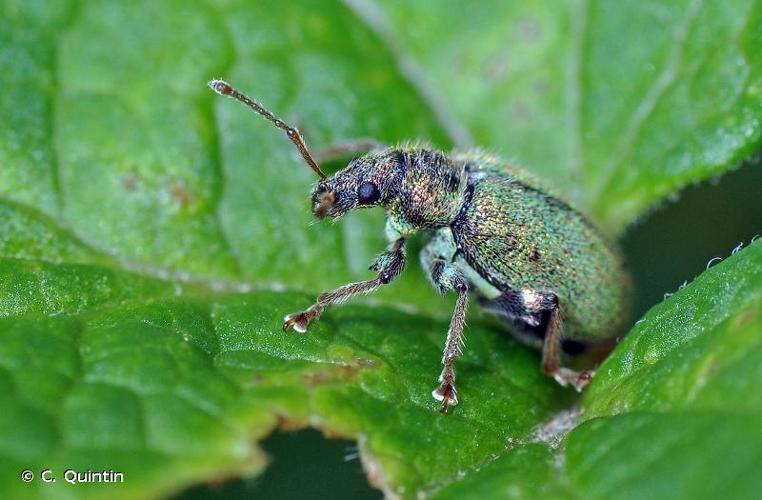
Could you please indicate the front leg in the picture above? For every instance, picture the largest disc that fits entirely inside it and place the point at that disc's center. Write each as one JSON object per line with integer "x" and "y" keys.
{"x": 348, "y": 148}
{"x": 388, "y": 265}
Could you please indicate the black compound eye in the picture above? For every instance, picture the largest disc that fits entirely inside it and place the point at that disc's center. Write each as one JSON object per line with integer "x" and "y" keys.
{"x": 368, "y": 193}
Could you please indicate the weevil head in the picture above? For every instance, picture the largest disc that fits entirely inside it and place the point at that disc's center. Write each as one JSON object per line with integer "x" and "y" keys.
{"x": 417, "y": 185}
{"x": 365, "y": 182}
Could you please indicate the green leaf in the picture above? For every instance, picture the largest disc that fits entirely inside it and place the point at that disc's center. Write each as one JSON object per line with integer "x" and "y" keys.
{"x": 173, "y": 390}
{"x": 676, "y": 408}
{"x": 697, "y": 349}
{"x": 620, "y": 103}
{"x": 674, "y": 412}
{"x": 152, "y": 236}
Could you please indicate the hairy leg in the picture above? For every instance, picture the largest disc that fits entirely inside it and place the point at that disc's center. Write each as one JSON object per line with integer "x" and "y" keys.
{"x": 447, "y": 392}
{"x": 538, "y": 317}
{"x": 436, "y": 259}
{"x": 388, "y": 265}
{"x": 551, "y": 355}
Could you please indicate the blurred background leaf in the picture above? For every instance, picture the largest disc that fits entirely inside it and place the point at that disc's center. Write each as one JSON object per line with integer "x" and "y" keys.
{"x": 153, "y": 235}
{"x": 620, "y": 103}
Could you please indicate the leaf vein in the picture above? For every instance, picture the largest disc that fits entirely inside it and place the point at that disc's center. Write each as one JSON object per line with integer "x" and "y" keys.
{"x": 573, "y": 94}
{"x": 370, "y": 14}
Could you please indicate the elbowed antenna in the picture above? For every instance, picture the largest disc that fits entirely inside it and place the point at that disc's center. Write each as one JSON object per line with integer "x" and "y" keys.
{"x": 223, "y": 88}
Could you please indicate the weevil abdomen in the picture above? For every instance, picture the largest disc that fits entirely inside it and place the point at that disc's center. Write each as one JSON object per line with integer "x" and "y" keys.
{"x": 521, "y": 237}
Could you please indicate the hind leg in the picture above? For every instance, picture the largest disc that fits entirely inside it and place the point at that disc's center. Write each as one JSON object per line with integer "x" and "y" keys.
{"x": 551, "y": 355}
{"x": 538, "y": 317}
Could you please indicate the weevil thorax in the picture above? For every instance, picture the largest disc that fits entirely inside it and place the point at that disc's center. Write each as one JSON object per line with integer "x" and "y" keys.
{"x": 420, "y": 188}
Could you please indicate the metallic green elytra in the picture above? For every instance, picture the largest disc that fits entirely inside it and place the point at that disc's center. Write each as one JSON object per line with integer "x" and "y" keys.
{"x": 496, "y": 231}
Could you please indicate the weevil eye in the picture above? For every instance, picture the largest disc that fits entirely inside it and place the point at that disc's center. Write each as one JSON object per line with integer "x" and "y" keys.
{"x": 368, "y": 193}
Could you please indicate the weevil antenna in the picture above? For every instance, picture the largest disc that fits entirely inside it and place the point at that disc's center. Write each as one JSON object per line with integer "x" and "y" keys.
{"x": 223, "y": 88}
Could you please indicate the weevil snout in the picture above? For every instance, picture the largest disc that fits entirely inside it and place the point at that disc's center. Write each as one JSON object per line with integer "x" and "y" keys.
{"x": 346, "y": 190}
{"x": 323, "y": 200}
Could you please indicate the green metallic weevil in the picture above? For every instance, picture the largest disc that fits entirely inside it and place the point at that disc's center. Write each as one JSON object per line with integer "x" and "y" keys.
{"x": 495, "y": 230}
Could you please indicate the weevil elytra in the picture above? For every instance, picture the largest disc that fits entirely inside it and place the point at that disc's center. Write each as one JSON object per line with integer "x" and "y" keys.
{"x": 495, "y": 231}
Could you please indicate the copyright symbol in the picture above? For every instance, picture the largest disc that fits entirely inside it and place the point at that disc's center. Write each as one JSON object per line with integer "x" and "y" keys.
{"x": 27, "y": 475}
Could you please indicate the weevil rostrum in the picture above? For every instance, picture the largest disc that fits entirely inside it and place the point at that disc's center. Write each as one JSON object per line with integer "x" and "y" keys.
{"x": 495, "y": 231}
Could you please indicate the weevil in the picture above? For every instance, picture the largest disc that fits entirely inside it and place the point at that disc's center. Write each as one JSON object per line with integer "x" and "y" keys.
{"x": 495, "y": 232}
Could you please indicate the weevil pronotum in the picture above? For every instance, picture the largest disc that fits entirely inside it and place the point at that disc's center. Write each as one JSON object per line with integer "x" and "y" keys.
{"x": 495, "y": 230}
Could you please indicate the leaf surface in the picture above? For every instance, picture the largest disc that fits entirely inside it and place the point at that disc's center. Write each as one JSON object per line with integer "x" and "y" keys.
{"x": 621, "y": 104}
{"x": 664, "y": 409}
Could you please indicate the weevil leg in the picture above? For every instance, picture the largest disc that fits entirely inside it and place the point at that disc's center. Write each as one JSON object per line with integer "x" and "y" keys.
{"x": 447, "y": 392}
{"x": 349, "y": 148}
{"x": 437, "y": 261}
{"x": 537, "y": 318}
{"x": 388, "y": 265}
{"x": 551, "y": 351}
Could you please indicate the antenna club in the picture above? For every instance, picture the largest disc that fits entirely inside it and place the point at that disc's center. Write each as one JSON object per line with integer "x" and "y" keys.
{"x": 221, "y": 87}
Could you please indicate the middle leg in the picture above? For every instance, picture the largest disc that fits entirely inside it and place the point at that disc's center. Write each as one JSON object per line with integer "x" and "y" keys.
{"x": 437, "y": 261}
{"x": 446, "y": 392}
